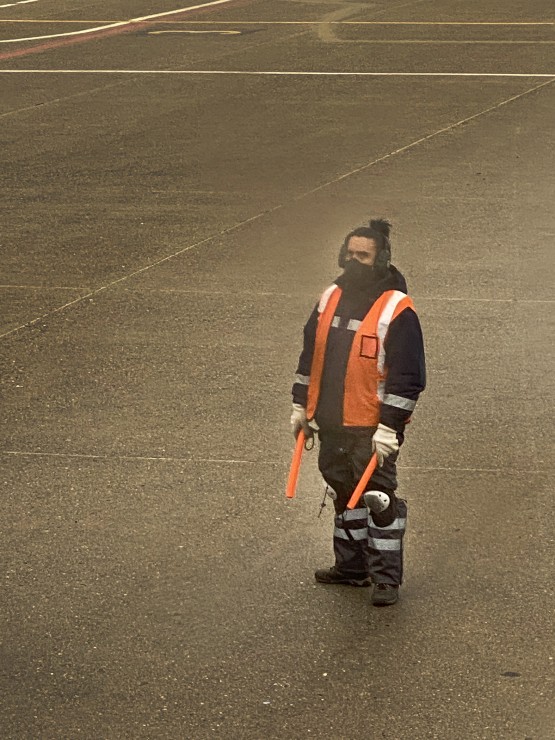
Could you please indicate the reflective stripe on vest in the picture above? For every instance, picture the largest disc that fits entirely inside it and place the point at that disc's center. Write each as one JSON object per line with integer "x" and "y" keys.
{"x": 365, "y": 375}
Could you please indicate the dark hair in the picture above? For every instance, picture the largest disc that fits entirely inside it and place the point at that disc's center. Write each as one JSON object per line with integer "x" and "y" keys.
{"x": 377, "y": 229}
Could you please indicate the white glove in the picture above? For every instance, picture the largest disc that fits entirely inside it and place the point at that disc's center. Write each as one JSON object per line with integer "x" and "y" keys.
{"x": 384, "y": 442}
{"x": 299, "y": 421}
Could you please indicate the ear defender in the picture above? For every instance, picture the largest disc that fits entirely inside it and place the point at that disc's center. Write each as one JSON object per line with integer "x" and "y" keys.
{"x": 383, "y": 258}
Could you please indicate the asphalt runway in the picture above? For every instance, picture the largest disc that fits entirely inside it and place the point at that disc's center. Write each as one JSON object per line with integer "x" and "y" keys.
{"x": 176, "y": 183}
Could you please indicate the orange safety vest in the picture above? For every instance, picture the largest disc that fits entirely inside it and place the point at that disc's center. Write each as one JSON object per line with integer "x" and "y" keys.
{"x": 366, "y": 372}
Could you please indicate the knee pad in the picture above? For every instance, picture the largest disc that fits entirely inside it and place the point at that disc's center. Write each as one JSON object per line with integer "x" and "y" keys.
{"x": 376, "y": 501}
{"x": 382, "y": 507}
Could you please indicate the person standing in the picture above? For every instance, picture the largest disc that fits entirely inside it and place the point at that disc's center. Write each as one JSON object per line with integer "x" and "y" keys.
{"x": 360, "y": 373}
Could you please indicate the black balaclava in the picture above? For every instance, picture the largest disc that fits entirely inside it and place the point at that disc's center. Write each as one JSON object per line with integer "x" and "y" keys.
{"x": 358, "y": 276}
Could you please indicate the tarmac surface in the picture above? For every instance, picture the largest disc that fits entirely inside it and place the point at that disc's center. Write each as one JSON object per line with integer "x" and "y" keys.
{"x": 173, "y": 204}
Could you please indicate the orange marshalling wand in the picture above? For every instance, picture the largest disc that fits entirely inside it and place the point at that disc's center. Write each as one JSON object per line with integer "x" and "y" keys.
{"x": 359, "y": 490}
{"x": 295, "y": 465}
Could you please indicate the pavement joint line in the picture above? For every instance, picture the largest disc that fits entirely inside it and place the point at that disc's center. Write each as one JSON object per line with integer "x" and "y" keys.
{"x": 413, "y": 144}
{"x": 448, "y": 469}
{"x": 73, "y": 455}
{"x": 269, "y": 293}
{"x": 279, "y": 73}
{"x": 117, "y": 24}
{"x": 483, "y": 300}
{"x": 160, "y": 261}
{"x": 273, "y": 209}
{"x": 200, "y": 291}
{"x": 266, "y": 293}
{"x": 100, "y": 456}
{"x": 60, "y": 100}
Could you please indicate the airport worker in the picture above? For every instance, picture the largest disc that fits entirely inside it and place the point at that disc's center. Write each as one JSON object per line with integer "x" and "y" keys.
{"x": 360, "y": 373}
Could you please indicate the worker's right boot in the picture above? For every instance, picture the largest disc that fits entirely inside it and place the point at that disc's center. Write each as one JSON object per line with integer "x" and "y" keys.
{"x": 385, "y": 594}
{"x": 334, "y": 576}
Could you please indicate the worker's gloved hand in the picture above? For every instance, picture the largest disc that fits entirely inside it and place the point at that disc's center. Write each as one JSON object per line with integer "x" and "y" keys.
{"x": 384, "y": 442}
{"x": 299, "y": 421}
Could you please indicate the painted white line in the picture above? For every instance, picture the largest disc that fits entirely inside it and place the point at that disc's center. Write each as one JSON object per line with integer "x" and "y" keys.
{"x": 305, "y": 23}
{"x": 116, "y": 24}
{"x": 213, "y": 33}
{"x": 273, "y": 209}
{"x": 271, "y": 73}
{"x": 56, "y": 21}
{"x": 180, "y": 10}
{"x": 20, "y": 2}
{"x": 530, "y": 42}
{"x": 366, "y": 23}
{"x": 43, "y": 287}
{"x": 68, "y": 33}
{"x": 438, "y": 23}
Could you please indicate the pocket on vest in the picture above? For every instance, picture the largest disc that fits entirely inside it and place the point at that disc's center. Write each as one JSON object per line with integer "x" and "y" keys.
{"x": 369, "y": 346}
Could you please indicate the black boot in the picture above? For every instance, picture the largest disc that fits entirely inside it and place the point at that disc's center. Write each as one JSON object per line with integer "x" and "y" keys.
{"x": 334, "y": 576}
{"x": 385, "y": 594}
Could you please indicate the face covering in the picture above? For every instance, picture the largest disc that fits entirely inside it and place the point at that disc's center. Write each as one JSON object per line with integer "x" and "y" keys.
{"x": 359, "y": 276}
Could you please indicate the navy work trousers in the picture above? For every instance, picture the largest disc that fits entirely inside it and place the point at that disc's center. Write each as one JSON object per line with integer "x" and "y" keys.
{"x": 364, "y": 544}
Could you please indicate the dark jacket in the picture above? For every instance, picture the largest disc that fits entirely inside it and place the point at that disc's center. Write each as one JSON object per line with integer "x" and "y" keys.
{"x": 404, "y": 357}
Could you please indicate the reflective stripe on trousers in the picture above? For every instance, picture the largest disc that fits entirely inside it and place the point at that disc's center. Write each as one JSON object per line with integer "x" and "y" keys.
{"x": 385, "y": 547}
{"x": 350, "y": 542}
{"x": 363, "y": 548}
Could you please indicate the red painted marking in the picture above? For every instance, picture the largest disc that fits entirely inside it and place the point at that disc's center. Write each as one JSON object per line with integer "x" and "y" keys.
{"x": 131, "y": 28}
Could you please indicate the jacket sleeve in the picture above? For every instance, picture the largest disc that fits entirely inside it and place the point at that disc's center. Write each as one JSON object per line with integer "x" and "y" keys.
{"x": 302, "y": 377}
{"x": 406, "y": 370}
